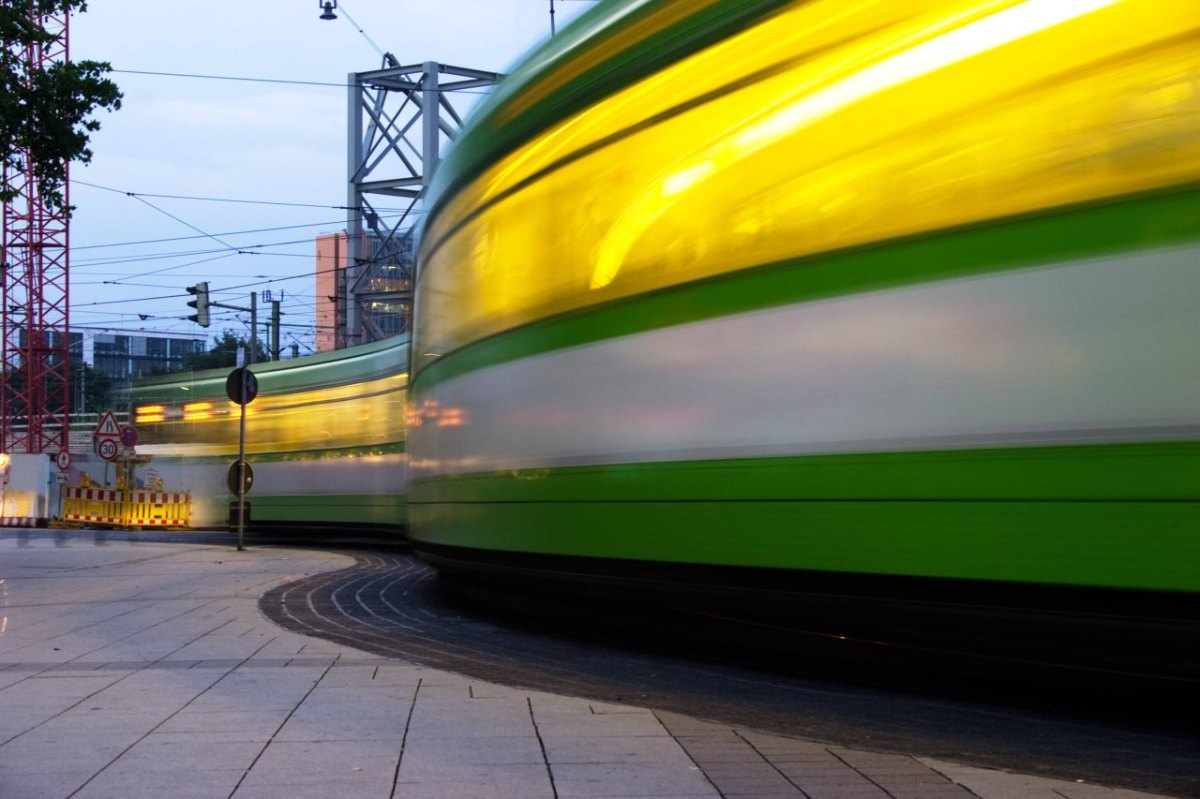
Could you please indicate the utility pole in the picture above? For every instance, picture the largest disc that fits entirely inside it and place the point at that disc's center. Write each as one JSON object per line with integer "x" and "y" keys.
{"x": 275, "y": 329}
{"x": 253, "y": 328}
{"x": 253, "y": 311}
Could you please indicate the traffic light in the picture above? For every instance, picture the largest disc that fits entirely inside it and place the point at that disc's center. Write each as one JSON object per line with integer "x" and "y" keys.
{"x": 200, "y": 317}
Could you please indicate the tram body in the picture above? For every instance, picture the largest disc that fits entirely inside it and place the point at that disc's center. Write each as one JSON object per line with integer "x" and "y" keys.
{"x": 324, "y": 438}
{"x": 825, "y": 298}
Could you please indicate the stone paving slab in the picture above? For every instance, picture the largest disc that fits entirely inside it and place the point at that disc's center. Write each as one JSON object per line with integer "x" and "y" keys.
{"x": 146, "y": 670}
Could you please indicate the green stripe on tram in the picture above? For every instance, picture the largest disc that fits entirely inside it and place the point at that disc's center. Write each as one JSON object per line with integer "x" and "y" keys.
{"x": 309, "y": 509}
{"x": 1092, "y": 230}
{"x": 342, "y": 509}
{"x": 322, "y": 370}
{"x": 1167, "y": 471}
{"x": 1102, "y": 515}
{"x": 1130, "y": 545}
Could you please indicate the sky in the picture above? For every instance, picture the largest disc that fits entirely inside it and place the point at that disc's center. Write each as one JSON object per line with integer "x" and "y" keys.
{"x": 276, "y": 148}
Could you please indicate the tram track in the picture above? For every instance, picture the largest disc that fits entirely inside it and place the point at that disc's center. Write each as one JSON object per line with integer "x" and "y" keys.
{"x": 390, "y": 603}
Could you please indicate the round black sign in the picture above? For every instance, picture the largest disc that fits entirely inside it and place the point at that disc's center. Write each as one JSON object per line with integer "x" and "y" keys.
{"x": 231, "y": 479}
{"x": 241, "y": 386}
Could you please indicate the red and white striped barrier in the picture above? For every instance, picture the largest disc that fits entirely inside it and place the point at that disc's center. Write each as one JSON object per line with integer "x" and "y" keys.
{"x": 122, "y": 508}
{"x": 158, "y": 509}
{"x": 21, "y": 521}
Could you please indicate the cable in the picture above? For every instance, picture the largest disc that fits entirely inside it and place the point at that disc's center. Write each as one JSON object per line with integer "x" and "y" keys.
{"x": 141, "y": 258}
{"x": 217, "y": 255}
{"x": 204, "y": 234}
{"x": 384, "y": 213}
{"x": 322, "y": 84}
{"x": 370, "y": 41}
{"x": 248, "y": 250}
{"x": 396, "y": 213}
{"x": 211, "y": 199}
{"x": 182, "y": 222}
{"x": 228, "y": 77}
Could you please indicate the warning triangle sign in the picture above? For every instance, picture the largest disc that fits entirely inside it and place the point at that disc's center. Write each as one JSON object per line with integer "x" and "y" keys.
{"x": 108, "y": 427}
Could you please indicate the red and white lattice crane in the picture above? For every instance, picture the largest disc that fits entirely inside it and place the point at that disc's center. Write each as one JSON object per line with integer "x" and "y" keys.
{"x": 34, "y": 410}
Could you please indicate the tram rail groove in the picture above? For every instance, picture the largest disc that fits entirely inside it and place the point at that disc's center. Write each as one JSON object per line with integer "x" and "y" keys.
{"x": 391, "y": 603}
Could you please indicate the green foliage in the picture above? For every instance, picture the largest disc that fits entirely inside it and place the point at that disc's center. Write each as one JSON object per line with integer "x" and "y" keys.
{"x": 223, "y": 352}
{"x": 45, "y": 112}
{"x": 91, "y": 390}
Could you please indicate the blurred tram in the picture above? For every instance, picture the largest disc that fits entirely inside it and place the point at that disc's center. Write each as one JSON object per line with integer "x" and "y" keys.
{"x": 324, "y": 437}
{"x": 826, "y": 304}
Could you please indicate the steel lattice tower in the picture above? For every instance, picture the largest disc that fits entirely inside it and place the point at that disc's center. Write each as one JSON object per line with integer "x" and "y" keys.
{"x": 34, "y": 411}
{"x": 400, "y": 119}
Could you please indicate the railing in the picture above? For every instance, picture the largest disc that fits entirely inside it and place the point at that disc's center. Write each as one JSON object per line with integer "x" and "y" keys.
{"x": 83, "y": 425}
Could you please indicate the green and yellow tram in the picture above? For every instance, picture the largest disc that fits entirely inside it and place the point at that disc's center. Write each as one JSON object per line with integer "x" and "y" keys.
{"x": 825, "y": 298}
{"x": 324, "y": 438}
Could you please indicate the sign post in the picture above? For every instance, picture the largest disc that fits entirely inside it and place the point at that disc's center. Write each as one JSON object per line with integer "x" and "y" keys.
{"x": 242, "y": 387}
{"x": 107, "y": 439}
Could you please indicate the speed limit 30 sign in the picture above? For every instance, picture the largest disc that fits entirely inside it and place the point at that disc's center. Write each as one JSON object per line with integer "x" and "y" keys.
{"x": 108, "y": 449}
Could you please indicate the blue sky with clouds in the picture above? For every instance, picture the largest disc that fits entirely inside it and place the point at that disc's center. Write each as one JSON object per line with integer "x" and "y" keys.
{"x": 242, "y": 140}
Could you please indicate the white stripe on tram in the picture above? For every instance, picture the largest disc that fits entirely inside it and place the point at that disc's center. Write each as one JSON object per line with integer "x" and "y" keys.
{"x": 1094, "y": 351}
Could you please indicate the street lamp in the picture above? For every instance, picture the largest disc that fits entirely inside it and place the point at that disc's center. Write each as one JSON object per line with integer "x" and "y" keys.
{"x": 327, "y": 8}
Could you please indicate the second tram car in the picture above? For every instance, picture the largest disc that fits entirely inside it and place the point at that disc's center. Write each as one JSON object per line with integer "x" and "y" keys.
{"x": 324, "y": 437}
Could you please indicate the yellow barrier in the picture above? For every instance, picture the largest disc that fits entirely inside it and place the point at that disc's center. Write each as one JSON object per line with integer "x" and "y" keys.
{"x": 92, "y": 505}
{"x": 157, "y": 509}
{"x": 123, "y": 508}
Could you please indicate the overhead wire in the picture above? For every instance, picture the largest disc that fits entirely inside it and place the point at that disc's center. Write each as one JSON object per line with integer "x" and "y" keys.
{"x": 211, "y": 199}
{"x": 393, "y": 213}
{"x": 242, "y": 79}
{"x": 341, "y": 85}
{"x": 255, "y": 249}
{"x": 231, "y": 250}
{"x": 359, "y": 28}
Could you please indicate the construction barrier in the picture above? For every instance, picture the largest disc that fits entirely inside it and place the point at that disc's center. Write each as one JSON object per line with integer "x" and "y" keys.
{"x": 92, "y": 505}
{"x": 157, "y": 509}
{"x": 21, "y": 521}
{"x": 123, "y": 508}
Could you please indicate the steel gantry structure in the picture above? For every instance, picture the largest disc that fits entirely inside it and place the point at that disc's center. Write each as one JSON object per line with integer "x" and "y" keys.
{"x": 399, "y": 119}
{"x": 34, "y": 410}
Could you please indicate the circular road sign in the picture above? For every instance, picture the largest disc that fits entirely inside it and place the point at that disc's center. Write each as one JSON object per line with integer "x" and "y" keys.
{"x": 231, "y": 479}
{"x": 63, "y": 460}
{"x": 129, "y": 436}
{"x": 107, "y": 449}
{"x": 235, "y": 382}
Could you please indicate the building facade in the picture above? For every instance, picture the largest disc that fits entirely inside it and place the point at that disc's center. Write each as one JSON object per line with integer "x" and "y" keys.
{"x": 123, "y": 355}
{"x": 364, "y": 302}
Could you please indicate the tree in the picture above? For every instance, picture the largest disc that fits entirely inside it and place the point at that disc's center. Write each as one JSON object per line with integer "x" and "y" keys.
{"x": 91, "y": 389}
{"x": 45, "y": 112}
{"x": 223, "y": 353}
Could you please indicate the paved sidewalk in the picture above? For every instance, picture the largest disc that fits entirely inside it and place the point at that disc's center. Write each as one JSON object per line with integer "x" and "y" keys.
{"x": 146, "y": 670}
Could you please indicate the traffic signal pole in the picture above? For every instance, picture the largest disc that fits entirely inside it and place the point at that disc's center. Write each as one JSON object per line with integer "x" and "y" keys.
{"x": 201, "y": 291}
